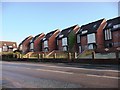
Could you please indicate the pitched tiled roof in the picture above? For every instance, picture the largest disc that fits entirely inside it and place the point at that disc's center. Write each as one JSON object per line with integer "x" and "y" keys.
{"x": 48, "y": 35}
{"x": 65, "y": 32}
{"x": 8, "y": 43}
{"x": 112, "y": 22}
{"x": 91, "y": 27}
{"x": 24, "y": 40}
{"x": 34, "y": 38}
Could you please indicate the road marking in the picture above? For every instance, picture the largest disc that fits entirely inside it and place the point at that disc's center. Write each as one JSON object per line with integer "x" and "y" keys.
{"x": 70, "y": 73}
{"x": 54, "y": 71}
{"x": 103, "y": 76}
{"x": 69, "y": 67}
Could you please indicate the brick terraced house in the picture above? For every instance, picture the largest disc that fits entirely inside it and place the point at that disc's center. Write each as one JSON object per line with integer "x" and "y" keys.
{"x": 49, "y": 41}
{"x": 112, "y": 34}
{"x": 25, "y": 45}
{"x": 35, "y": 43}
{"x": 90, "y": 36}
{"x": 66, "y": 39}
{"x": 7, "y": 46}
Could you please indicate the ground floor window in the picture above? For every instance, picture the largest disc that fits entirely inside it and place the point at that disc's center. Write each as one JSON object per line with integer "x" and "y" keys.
{"x": 92, "y": 46}
{"x": 80, "y": 49}
{"x": 46, "y": 49}
{"x": 65, "y": 48}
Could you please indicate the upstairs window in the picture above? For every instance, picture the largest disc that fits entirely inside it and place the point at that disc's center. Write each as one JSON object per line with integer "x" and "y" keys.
{"x": 91, "y": 38}
{"x": 64, "y": 41}
{"x": 84, "y": 32}
{"x": 116, "y": 26}
{"x": 5, "y": 48}
{"x": 108, "y": 34}
{"x": 78, "y": 38}
{"x": 45, "y": 43}
{"x": 32, "y": 46}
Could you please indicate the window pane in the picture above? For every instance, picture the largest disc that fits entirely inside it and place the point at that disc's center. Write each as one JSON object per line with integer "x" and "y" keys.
{"x": 64, "y": 41}
{"x": 110, "y": 34}
{"x": 105, "y": 34}
{"x": 91, "y": 38}
{"x": 5, "y": 48}
{"x": 90, "y": 46}
{"x": 45, "y": 44}
{"x": 64, "y": 48}
{"x": 78, "y": 38}
{"x": 31, "y": 46}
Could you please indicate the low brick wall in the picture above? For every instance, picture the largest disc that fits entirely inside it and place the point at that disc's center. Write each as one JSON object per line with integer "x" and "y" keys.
{"x": 86, "y": 61}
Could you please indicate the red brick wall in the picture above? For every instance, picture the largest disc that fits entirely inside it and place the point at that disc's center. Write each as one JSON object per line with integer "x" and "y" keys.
{"x": 60, "y": 45}
{"x": 100, "y": 35}
{"x": 37, "y": 43}
{"x": 83, "y": 41}
{"x": 52, "y": 43}
{"x": 116, "y": 37}
{"x": 25, "y": 45}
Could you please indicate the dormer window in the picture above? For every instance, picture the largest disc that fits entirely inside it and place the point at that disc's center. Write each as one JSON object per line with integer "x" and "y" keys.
{"x": 69, "y": 31}
{"x": 44, "y": 39}
{"x": 84, "y": 32}
{"x": 60, "y": 36}
{"x": 51, "y": 34}
{"x": 109, "y": 24}
{"x": 95, "y": 26}
{"x": 116, "y": 26}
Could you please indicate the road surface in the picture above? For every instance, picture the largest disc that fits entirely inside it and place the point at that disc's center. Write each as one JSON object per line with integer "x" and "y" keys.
{"x": 41, "y": 75}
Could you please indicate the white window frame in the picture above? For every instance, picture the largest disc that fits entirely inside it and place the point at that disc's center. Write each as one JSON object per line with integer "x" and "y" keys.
{"x": 90, "y": 46}
{"x": 64, "y": 41}
{"x": 108, "y": 34}
{"x": 32, "y": 45}
{"x": 45, "y": 43}
{"x": 65, "y": 48}
{"x": 91, "y": 38}
{"x": 116, "y": 26}
{"x": 5, "y": 48}
{"x": 84, "y": 32}
{"x": 78, "y": 38}
{"x": 80, "y": 49}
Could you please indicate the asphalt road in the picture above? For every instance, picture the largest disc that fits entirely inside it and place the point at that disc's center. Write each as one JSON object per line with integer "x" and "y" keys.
{"x": 46, "y": 75}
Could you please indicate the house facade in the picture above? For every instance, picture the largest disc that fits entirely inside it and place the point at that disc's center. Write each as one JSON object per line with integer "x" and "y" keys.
{"x": 66, "y": 39}
{"x": 8, "y": 46}
{"x": 35, "y": 43}
{"x": 112, "y": 34}
{"x": 90, "y": 36}
{"x": 25, "y": 45}
{"x": 49, "y": 41}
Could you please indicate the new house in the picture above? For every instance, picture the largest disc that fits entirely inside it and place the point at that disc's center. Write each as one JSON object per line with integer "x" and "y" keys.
{"x": 49, "y": 41}
{"x": 66, "y": 39}
{"x": 25, "y": 45}
{"x": 90, "y": 36}
{"x": 7, "y": 46}
{"x": 112, "y": 33}
{"x": 35, "y": 43}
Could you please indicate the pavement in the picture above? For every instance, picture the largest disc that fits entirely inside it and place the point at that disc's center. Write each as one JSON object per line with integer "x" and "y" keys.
{"x": 58, "y": 75}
